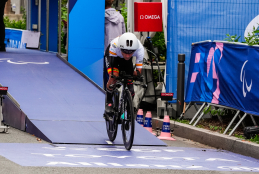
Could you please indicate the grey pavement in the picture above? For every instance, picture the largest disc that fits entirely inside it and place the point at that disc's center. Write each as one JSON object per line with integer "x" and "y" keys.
{"x": 211, "y": 138}
{"x": 17, "y": 136}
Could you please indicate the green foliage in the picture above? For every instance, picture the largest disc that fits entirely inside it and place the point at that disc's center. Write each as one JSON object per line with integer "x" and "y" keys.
{"x": 64, "y": 13}
{"x": 233, "y": 38}
{"x": 159, "y": 42}
{"x": 207, "y": 109}
{"x": 124, "y": 13}
{"x": 255, "y": 139}
{"x": 156, "y": 76}
{"x": 252, "y": 39}
{"x": 63, "y": 17}
{"x": 213, "y": 112}
{"x": 64, "y": 3}
{"x": 20, "y": 24}
{"x": 239, "y": 136}
{"x": 24, "y": 15}
{"x": 211, "y": 127}
{"x": 181, "y": 121}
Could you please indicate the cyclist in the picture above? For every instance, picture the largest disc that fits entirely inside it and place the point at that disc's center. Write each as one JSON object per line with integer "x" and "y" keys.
{"x": 118, "y": 56}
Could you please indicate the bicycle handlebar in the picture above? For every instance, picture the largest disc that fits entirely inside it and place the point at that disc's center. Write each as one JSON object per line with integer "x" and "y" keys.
{"x": 128, "y": 77}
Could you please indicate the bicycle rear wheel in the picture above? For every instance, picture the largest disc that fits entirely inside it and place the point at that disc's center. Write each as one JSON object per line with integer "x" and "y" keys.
{"x": 128, "y": 123}
{"x": 111, "y": 121}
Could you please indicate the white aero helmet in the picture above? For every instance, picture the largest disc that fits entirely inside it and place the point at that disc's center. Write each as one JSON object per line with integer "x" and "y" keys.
{"x": 128, "y": 43}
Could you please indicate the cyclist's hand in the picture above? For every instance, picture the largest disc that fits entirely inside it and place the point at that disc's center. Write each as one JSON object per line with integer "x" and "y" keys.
{"x": 136, "y": 73}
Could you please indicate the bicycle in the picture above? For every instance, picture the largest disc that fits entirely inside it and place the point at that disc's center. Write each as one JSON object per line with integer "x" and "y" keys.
{"x": 123, "y": 111}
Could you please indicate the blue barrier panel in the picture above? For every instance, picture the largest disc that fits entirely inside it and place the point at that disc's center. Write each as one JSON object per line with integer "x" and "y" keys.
{"x": 13, "y": 38}
{"x": 86, "y": 38}
{"x": 224, "y": 74}
{"x": 53, "y": 24}
{"x": 191, "y": 21}
{"x": 34, "y": 13}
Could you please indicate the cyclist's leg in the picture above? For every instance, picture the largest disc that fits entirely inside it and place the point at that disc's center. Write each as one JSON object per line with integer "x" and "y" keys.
{"x": 127, "y": 66}
{"x": 111, "y": 62}
{"x": 105, "y": 73}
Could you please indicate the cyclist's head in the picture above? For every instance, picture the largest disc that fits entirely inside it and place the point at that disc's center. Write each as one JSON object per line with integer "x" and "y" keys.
{"x": 128, "y": 44}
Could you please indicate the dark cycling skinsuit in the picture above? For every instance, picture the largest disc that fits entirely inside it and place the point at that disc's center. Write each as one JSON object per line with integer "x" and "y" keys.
{"x": 114, "y": 58}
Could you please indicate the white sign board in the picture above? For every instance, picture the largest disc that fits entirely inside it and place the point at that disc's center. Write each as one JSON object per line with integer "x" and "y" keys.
{"x": 31, "y": 38}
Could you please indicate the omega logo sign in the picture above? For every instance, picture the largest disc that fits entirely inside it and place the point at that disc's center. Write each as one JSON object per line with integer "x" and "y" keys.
{"x": 149, "y": 17}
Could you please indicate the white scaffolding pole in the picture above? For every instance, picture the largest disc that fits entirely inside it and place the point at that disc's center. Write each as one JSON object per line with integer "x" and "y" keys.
{"x": 28, "y": 18}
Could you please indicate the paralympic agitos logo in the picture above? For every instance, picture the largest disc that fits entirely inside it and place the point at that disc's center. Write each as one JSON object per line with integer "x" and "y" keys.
{"x": 246, "y": 88}
{"x": 150, "y": 17}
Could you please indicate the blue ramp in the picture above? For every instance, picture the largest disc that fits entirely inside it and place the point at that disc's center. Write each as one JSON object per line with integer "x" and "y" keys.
{"x": 61, "y": 106}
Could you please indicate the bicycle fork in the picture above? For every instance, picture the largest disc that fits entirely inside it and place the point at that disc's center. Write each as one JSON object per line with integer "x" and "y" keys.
{"x": 121, "y": 108}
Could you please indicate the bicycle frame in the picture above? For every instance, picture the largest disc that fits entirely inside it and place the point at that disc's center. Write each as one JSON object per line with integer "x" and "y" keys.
{"x": 118, "y": 116}
{"x": 121, "y": 99}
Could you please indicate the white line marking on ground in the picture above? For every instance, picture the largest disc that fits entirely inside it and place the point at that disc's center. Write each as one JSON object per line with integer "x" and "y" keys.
{"x": 109, "y": 142}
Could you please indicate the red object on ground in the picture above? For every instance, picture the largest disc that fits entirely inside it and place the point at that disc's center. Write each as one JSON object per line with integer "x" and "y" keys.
{"x": 148, "y": 16}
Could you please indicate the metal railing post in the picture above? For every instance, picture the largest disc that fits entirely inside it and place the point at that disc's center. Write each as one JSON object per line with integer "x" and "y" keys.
{"x": 59, "y": 27}
{"x": 237, "y": 124}
{"x": 180, "y": 84}
{"x": 39, "y": 20}
{"x": 226, "y": 130}
{"x": 197, "y": 113}
{"x": 47, "y": 25}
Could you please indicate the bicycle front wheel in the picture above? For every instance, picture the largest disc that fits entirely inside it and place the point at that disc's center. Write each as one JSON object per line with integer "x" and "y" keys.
{"x": 128, "y": 122}
{"x": 111, "y": 122}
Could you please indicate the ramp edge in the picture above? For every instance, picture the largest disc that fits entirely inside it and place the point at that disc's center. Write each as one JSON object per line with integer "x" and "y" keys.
{"x": 81, "y": 73}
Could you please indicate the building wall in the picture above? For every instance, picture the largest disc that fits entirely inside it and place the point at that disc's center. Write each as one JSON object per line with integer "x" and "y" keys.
{"x": 18, "y": 6}
{"x": 15, "y": 17}
{"x": 8, "y": 9}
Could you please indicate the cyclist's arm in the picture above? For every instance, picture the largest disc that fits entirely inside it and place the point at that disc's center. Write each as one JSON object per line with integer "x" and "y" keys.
{"x": 139, "y": 59}
{"x": 113, "y": 48}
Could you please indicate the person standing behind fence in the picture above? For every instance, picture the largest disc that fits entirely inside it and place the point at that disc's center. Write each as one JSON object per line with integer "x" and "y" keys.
{"x": 114, "y": 27}
{"x": 114, "y": 23}
{"x": 2, "y": 26}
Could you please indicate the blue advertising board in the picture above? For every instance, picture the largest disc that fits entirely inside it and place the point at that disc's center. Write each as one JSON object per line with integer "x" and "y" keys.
{"x": 224, "y": 74}
{"x": 86, "y": 38}
{"x": 192, "y": 21}
{"x": 13, "y": 38}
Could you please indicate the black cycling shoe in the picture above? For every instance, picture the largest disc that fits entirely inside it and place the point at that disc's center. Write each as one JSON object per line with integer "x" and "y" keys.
{"x": 109, "y": 108}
